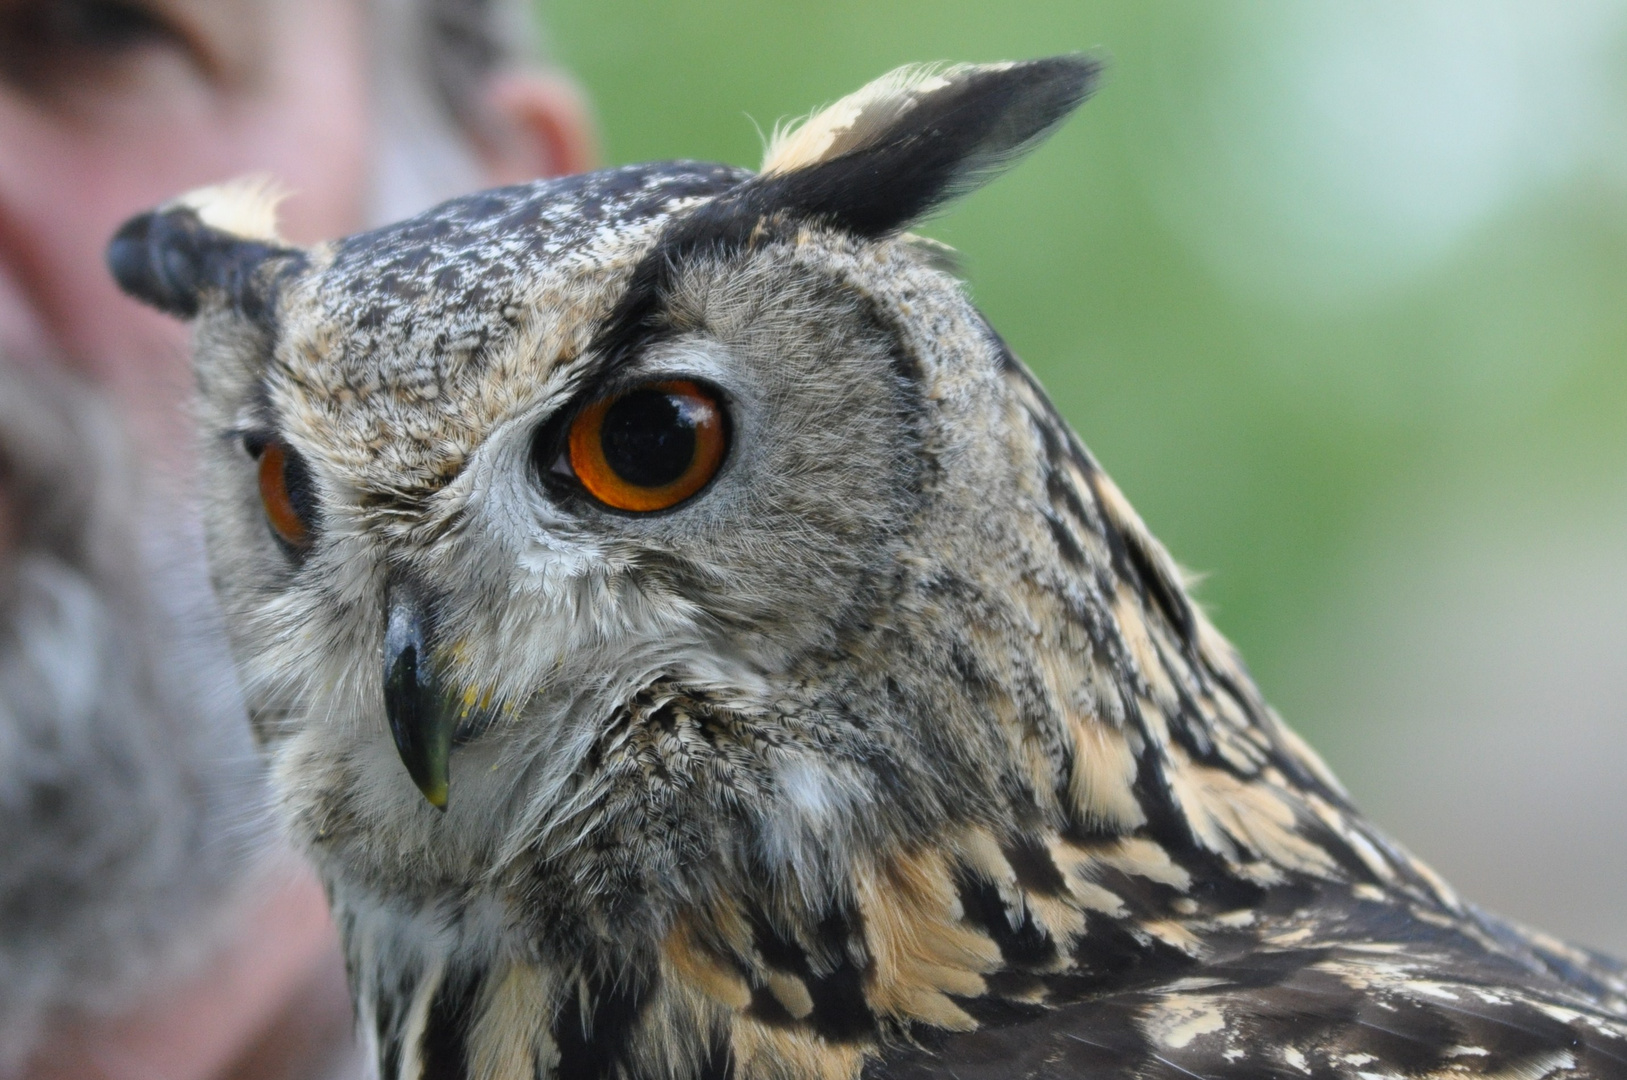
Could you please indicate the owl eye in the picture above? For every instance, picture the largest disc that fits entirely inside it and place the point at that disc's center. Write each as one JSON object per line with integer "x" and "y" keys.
{"x": 648, "y": 448}
{"x": 286, "y": 493}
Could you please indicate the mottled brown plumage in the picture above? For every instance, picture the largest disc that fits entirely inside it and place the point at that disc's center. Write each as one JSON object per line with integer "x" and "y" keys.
{"x": 898, "y": 750}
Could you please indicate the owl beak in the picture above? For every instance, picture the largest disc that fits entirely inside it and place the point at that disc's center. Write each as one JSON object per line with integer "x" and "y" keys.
{"x": 421, "y": 720}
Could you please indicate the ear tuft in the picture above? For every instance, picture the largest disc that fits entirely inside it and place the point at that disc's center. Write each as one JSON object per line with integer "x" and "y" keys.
{"x": 903, "y": 145}
{"x": 215, "y": 245}
{"x": 245, "y": 207}
{"x": 870, "y": 165}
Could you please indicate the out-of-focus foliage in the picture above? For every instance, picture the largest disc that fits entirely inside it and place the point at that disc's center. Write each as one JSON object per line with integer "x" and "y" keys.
{"x": 1301, "y": 273}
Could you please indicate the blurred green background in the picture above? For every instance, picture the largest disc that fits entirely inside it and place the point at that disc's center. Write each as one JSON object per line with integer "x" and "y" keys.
{"x": 1336, "y": 292}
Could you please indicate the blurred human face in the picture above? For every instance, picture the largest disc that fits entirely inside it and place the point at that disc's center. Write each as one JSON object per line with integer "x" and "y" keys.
{"x": 108, "y": 107}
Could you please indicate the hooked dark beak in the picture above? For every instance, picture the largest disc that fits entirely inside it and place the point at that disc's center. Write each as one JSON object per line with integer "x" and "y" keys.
{"x": 421, "y": 718}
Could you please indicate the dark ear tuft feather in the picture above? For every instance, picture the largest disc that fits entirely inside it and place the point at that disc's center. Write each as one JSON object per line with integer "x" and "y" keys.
{"x": 872, "y": 163}
{"x": 215, "y": 244}
{"x": 897, "y": 149}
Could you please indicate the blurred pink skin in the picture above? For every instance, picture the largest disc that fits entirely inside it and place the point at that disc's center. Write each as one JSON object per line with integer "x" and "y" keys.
{"x": 274, "y": 1004}
{"x": 216, "y": 89}
{"x": 110, "y": 109}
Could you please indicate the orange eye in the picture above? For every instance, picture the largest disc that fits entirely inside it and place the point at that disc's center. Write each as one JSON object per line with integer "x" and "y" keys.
{"x": 651, "y": 447}
{"x": 285, "y": 490}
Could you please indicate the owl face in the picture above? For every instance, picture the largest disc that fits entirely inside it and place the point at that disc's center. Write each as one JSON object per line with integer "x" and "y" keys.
{"x": 481, "y": 482}
{"x": 564, "y": 524}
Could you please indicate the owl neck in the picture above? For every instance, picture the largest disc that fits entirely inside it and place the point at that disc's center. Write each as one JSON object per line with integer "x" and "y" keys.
{"x": 689, "y": 942}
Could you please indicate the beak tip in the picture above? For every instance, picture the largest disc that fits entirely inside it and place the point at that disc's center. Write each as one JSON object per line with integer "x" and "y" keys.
{"x": 421, "y": 722}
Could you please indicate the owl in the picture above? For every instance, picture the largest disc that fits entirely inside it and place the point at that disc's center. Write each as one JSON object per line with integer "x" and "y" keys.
{"x": 688, "y": 644}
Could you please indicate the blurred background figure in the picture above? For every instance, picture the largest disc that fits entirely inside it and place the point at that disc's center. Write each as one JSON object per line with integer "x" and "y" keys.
{"x": 1335, "y": 290}
{"x": 1338, "y": 292}
{"x": 150, "y": 923}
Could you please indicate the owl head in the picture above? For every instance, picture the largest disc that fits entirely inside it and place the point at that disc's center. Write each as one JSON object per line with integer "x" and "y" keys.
{"x": 669, "y": 518}
{"x": 488, "y": 472}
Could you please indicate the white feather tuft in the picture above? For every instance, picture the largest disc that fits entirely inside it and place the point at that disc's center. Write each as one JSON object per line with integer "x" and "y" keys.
{"x": 852, "y": 122}
{"x": 245, "y": 207}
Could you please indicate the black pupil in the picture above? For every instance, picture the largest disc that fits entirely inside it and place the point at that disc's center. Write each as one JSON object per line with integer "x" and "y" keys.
{"x": 648, "y": 438}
